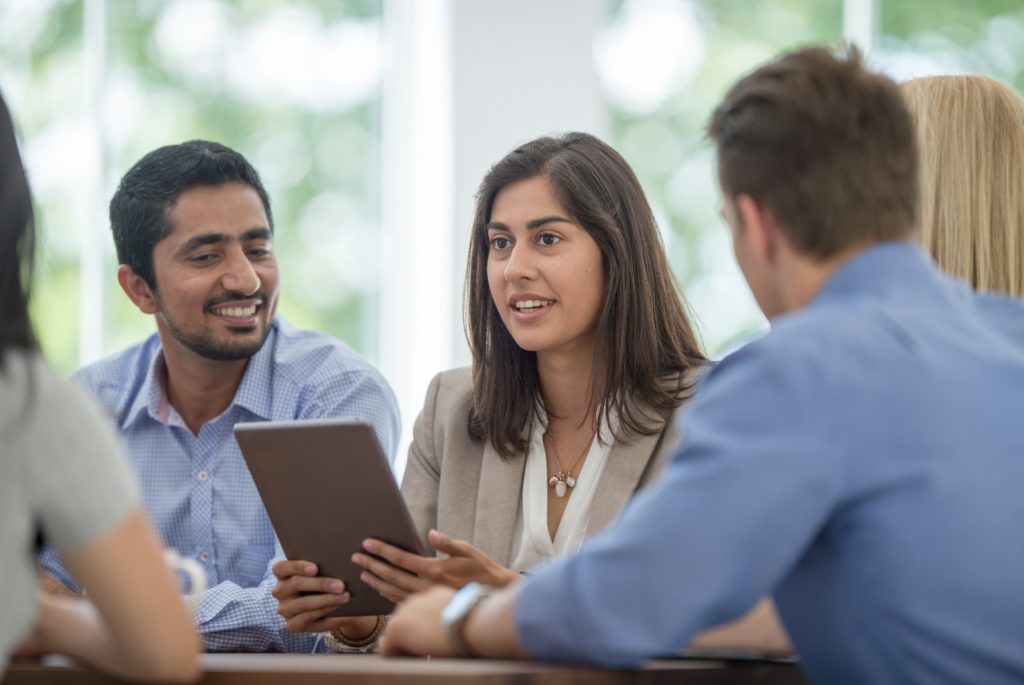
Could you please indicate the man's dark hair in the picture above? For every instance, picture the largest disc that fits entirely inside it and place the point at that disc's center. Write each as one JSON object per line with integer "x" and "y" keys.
{"x": 824, "y": 143}
{"x": 139, "y": 209}
{"x": 17, "y": 243}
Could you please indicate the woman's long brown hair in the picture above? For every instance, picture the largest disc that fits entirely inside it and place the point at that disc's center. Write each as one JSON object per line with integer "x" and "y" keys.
{"x": 645, "y": 343}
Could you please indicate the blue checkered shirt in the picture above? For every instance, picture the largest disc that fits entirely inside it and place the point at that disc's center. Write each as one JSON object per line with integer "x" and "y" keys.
{"x": 198, "y": 491}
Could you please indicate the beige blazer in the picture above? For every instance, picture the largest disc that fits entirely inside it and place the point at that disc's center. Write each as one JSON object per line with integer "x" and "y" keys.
{"x": 463, "y": 488}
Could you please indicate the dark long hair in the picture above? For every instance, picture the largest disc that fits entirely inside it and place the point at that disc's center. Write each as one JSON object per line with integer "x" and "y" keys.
{"x": 17, "y": 253}
{"x": 645, "y": 344}
{"x": 17, "y": 243}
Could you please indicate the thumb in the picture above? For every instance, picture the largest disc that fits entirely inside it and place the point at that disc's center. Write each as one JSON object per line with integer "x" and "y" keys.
{"x": 450, "y": 546}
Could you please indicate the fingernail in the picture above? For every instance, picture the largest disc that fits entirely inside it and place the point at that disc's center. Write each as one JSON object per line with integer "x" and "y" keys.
{"x": 309, "y": 570}
{"x": 357, "y": 558}
{"x": 337, "y": 586}
{"x": 364, "y": 576}
{"x": 369, "y": 545}
{"x": 342, "y": 598}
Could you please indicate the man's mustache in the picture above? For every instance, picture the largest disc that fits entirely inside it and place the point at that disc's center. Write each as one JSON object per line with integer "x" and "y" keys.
{"x": 236, "y": 297}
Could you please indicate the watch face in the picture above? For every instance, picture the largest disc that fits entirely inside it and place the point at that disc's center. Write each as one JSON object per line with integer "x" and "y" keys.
{"x": 464, "y": 600}
{"x": 454, "y": 615}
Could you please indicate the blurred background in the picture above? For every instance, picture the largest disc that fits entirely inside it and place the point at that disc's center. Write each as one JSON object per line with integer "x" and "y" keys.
{"x": 373, "y": 121}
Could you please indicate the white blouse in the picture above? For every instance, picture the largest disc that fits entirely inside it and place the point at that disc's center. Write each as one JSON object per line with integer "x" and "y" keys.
{"x": 533, "y": 543}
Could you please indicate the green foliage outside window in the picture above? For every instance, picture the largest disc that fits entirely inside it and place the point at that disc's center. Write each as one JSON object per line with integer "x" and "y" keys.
{"x": 716, "y": 42}
{"x": 302, "y": 101}
{"x": 199, "y": 69}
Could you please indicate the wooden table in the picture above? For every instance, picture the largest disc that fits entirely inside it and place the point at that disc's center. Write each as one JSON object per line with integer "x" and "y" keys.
{"x": 319, "y": 669}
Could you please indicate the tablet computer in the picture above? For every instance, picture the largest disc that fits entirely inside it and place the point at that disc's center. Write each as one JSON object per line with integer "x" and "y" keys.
{"x": 327, "y": 486}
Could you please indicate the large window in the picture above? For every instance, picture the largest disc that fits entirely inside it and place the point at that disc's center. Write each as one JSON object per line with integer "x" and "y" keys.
{"x": 665, "y": 64}
{"x": 292, "y": 84}
{"x": 952, "y": 36}
{"x": 296, "y": 85}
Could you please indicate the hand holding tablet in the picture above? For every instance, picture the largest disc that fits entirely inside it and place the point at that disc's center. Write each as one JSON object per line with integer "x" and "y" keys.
{"x": 352, "y": 548}
{"x": 327, "y": 487}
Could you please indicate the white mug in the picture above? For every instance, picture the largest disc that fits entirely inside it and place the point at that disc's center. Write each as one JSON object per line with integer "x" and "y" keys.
{"x": 191, "y": 568}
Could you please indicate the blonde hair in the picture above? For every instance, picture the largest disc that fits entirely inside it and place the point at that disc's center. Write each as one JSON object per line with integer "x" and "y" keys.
{"x": 970, "y": 131}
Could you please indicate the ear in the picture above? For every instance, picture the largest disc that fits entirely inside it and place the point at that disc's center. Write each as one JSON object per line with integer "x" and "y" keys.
{"x": 759, "y": 225}
{"x": 137, "y": 290}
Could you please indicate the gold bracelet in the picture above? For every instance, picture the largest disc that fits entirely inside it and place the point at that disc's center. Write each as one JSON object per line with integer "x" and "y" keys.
{"x": 382, "y": 622}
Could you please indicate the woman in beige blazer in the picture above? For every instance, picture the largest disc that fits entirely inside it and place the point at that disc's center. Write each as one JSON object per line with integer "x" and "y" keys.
{"x": 463, "y": 486}
{"x": 582, "y": 355}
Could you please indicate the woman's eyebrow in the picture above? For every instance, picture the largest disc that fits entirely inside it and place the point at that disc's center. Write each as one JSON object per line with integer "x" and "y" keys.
{"x": 535, "y": 223}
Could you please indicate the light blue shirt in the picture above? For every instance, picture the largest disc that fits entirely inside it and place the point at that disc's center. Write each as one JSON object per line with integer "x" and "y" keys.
{"x": 863, "y": 463}
{"x": 198, "y": 491}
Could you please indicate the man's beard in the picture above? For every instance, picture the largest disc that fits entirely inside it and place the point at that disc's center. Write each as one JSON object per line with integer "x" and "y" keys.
{"x": 205, "y": 345}
{"x": 214, "y": 350}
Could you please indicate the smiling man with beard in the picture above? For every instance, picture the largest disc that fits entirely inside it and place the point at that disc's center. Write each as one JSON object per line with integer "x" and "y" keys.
{"x": 193, "y": 229}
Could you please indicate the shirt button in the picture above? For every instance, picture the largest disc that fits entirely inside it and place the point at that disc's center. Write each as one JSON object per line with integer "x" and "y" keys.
{"x": 201, "y": 475}
{"x": 205, "y": 556}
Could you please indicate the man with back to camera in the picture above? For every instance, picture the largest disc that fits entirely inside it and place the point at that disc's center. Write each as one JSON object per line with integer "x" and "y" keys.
{"x": 862, "y": 462}
{"x": 193, "y": 229}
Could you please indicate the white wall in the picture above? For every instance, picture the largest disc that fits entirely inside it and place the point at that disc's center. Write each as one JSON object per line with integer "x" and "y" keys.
{"x": 465, "y": 82}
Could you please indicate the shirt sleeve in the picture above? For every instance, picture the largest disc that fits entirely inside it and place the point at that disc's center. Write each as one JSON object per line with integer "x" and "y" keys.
{"x": 359, "y": 394}
{"x": 743, "y": 496}
{"x": 82, "y": 488}
{"x": 232, "y": 618}
{"x": 53, "y": 563}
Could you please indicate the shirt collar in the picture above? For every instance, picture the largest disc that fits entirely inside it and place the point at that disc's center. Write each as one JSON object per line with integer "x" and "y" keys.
{"x": 889, "y": 268}
{"x": 255, "y": 392}
{"x": 147, "y": 400}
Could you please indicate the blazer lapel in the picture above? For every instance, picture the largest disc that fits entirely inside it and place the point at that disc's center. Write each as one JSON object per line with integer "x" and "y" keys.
{"x": 626, "y": 465}
{"x": 497, "y": 503}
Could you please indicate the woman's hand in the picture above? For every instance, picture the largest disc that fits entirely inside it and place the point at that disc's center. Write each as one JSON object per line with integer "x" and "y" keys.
{"x": 403, "y": 573}
{"x": 306, "y": 613}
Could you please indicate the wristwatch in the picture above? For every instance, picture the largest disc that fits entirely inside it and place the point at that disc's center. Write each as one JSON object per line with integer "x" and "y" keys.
{"x": 456, "y": 613}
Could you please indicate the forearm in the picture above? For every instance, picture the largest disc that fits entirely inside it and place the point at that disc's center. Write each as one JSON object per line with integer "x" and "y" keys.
{"x": 74, "y": 627}
{"x": 139, "y": 627}
{"x": 490, "y": 631}
{"x": 760, "y": 630}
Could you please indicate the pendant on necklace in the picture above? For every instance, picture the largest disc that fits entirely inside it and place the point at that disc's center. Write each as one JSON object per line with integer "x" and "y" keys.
{"x": 561, "y": 482}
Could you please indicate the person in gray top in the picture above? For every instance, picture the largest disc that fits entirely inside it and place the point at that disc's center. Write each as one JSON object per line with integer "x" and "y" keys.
{"x": 62, "y": 479}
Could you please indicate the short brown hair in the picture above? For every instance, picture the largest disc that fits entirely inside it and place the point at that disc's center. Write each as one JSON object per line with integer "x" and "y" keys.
{"x": 645, "y": 344}
{"x": 826, "y": 145}
{"x": 971, "y": 132}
